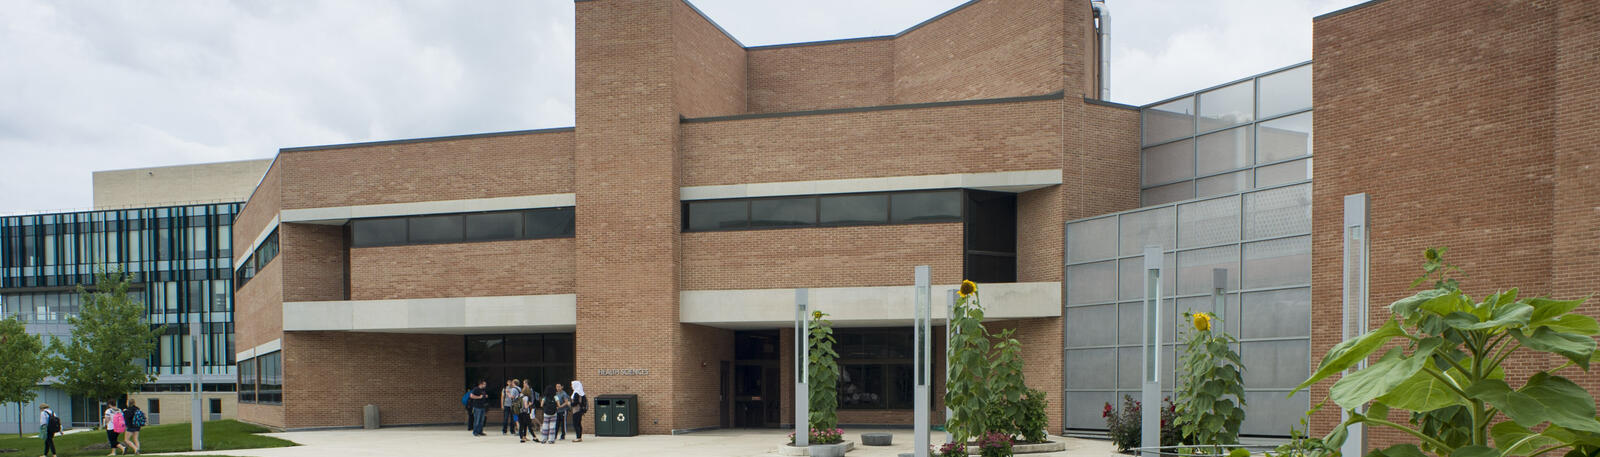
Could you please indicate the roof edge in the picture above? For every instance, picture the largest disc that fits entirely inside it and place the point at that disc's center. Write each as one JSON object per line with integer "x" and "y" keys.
{"x": 1345, "y": 10}
{"x": 425, "y": 139}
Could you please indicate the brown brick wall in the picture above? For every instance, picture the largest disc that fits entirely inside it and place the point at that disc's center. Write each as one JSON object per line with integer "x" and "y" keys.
{"x": 1039, "y": 235}
{"x": 258, "y": 308}
{"x": 263, "y": 205}
{"x": 453, "y": 169}
{"x": 314, "y": 262}
{"x": 267, "y": 415}
{"x": 820, "y": 257}
{"x": 822, "y": 76}
{"x": 495, "y": 268}
{"x": 992, "y": 48}
{"x": 1041, "y": 354}
{"x": 954, "y": 139}
{"x": 1573, "y": 271}
{"x": 330, "y": 376}
{"x": 1101, "y": 170}
{"x": 709, "y": 68}
{"x": 1442, "y": 112}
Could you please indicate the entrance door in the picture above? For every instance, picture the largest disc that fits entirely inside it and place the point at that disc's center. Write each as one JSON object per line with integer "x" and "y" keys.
{"x": 725, "y": 395}
{"x": 756, "y": 401}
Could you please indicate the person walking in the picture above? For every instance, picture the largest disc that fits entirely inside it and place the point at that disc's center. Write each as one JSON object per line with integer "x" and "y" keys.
{"x": 114, "y": 425}
{"x": 135, "y": 419}
{"x": 524, "y": 407}
{"x": 466, "y": 405}
{"x": 580, "y": 405}
{"x": 508, "y": 403}
{"x": 549, "y": 407}
{"x": 531, "y": 419}
{"x": 563, "y": 405}
{"x": 480, "y": 402}
{"x": 49, "y": 427}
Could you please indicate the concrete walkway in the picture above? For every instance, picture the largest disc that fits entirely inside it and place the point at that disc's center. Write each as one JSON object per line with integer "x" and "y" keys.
{"x": 455, "y": 441}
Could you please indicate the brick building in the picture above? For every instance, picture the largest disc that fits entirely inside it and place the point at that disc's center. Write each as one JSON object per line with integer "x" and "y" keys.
{"x": 654, "y": 247}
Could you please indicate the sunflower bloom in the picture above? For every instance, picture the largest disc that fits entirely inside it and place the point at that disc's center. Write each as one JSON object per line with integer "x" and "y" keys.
{"x": 1202, "y": 321}
{"x": 967, "y": 288}
{"x": 816, "y": 314}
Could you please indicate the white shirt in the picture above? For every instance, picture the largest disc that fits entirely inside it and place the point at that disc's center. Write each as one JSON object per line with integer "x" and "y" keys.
{"x": 44, "y": 417}
{"x": 106, "y": 419}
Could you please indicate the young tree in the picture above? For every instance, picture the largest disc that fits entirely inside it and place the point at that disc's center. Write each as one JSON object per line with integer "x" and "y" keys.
{"x": 22, "y": 365}
{"x": 109, "y": 336}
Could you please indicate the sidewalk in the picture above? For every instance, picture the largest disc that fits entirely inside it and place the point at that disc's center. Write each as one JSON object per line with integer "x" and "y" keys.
{"x": 454, "y": 441}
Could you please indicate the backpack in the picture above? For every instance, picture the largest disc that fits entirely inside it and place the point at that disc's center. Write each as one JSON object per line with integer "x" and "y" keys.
{"x": 138, "y": 419}
{"x": 117, "y": 425}
{"x": 55, "y": 424}
{"x": 466, "y": 398}
{"x": 550, "y": 405}
{"x": 582, "y": 404}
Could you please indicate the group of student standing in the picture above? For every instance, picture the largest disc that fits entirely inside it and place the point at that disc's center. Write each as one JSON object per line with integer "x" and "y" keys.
{"x": 523, "y": 407}
{"x": 118, "y": 423}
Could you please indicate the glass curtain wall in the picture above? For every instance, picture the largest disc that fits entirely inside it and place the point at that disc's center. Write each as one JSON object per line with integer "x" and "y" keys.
{"x": 179, "y": 260}
{"x": 1243, "y": 135}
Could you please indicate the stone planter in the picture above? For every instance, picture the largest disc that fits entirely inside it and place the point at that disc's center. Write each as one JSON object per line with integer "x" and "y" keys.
{"x": 1034, "y": 448}
{"x": 827, "y": 450}
{"x": 787, "y": 450}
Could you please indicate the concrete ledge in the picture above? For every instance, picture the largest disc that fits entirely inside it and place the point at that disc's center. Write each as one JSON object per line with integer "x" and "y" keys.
{"x": 455, "y": 315}
{"x": 1039, "y": 448}
{"x": 340, "y": 214}
{"x": 799, "y": 451}
{"x": 859, "y": 306}
{"x": 1003, "y": 181}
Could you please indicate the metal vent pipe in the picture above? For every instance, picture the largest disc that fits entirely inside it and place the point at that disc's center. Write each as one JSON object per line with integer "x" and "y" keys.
{"x": 1104, "y": 13}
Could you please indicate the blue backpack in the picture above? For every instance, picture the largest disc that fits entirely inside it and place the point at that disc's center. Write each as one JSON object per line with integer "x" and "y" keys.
{"x": 466, "y": 398}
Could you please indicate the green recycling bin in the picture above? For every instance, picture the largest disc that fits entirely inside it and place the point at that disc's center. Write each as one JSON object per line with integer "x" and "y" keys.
{"x": 616, "y": 415}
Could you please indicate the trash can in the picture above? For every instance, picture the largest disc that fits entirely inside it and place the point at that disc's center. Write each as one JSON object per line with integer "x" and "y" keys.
{"x": 369, "y": 417}
{"x": 616, "y": 415}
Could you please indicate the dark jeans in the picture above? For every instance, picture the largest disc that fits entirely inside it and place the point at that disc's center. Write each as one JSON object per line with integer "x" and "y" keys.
{"x": 561, "y": 424}
{"x": 508, "y": 420}
{"x": 577, "y": 424}
{"x": 524, "y": 423}
{"x": 469, "y": 418}
{"x": 477, "y": 421}
{"x": 111, "y": 436}
{"x": 50, "y": 444}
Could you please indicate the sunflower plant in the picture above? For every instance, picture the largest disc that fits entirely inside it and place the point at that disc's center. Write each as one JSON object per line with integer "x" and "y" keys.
{"x": 1211, "y": 386}
{"x": 968, "y": 367}
{"x": 824, "y": 367}
{"x": 1445, "y": 367}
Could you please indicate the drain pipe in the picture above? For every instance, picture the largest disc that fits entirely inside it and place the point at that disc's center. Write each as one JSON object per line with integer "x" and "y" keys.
{"x": 1104, "y": 12}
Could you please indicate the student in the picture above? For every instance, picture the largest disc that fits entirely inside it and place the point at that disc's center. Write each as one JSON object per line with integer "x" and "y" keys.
{"x": 531, "y": 397}
{"x": 549, "y": 407}
{"x": 480, "y": 402}
{"x": 49, "y": 426}
{"x": 563, "y": 403}
{"x": 580, "y": 405}
{"x": 508, "y": 403}
{"x": 135, "y": 419}
{"x": 114, "y": 425}
{"x": 524, "y": 406}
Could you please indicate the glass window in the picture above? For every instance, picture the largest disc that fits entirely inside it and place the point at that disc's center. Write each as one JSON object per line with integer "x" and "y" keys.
{"x": 854, "y": 209}
{"x": 247, "y": 381}
{"x": 1227, "y": 106}
{"x": 1168, "y": 162}
{"x": 1149, "y": 227}
{"x": 1281, "y": 364}
{"x": 486, "y": 349}
{"x": 875, "y": 368}
{"x": 783, "y": 212}
{"x": 1283, "y": 173}
{"x": 1195, "y": 268}
{"x": 1092, "y": 240}
{"x": 1280, "y": 262}
{"x": 718, "y": 214}
{"x": 1089, "y": 368}
{"x": 1285, "y": 138}
{"x": 1130, "y": 279}
{"x": 1168, "y": 121}
{"x": 1091, "y": 283}
{"x": 434, "y": 229}
{"x": 494, "y": 226}
{"x": 1285, "y": 92}
{"x": 1094, "y": 325}
{"x": 271, "y": 390}
{"x": 551, "y": 223}
{"x": 1277, "y": 212}
{"x": 925, "y": 206}
{"x": 1276, "y": 314}
{"x": 1208, "y": 222}
{"x": 1223, "y": 184}
{"x": 378, "y": 232}
{"x": 1223, "y": 151}
{"x": 1169, "y": 193}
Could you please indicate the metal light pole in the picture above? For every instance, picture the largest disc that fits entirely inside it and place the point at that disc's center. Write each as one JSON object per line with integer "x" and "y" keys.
{"x": 1219, "y": 293}
{"x": 802, "y": 370}
{"x": 1356, "y": 238}
{"x": 924, "y": 346}
{"x": 1150, "y": 423}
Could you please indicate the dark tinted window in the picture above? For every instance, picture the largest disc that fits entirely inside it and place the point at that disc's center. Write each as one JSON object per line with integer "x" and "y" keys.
{"x": 550, "y": 223}
{"x": 855, "y": 209}
{"x": 378, "y": 232}
{"x": 493, "y": 226}
{"x": 435, "y": 229}
{"x": 783, "y": 212}
{"x": 713, "y": 215}
{"x": 925, "y": 206}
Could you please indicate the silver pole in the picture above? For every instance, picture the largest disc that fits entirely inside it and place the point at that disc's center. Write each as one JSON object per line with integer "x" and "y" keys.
{"x": 924, "y": 345}
{"x": 1150, "y": 423}
{"x": 196, "y": 421}
{"x": 949, "y": 316}
{"x": 802, "y": 370}
{"x": 1355, "y": 298}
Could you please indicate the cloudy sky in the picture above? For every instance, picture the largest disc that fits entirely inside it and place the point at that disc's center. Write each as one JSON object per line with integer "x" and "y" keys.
{"x": 109, "y": 85}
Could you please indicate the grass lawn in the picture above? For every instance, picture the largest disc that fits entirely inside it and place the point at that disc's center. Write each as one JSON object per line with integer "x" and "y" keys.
{"x": 226, "y": 434}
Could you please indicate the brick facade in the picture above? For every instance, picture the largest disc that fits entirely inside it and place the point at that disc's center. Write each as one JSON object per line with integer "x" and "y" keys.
{"x": 1469, "y": 125}
{"x": 486, "y": 269}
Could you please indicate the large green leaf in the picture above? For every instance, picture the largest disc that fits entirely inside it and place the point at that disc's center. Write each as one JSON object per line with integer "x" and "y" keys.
{"x": 1378, "y": 379}
{"x": 1506, "y": 315}
{"x": 1518, "y": 440}
{"x": 1348, "y": 353}
{"x": 1577, "y": 348}
{"x": 1545, "y": 398}
{"x": 1407, "y": 307}
{"x": 1571, "y": 323}
{"x": 1422, "y": 392}
{"x": 1475, "y": 451}
{"x": 1398, "y": 450}
{"x": 1444, "y": 304}
{"x": 1545, "y": 309}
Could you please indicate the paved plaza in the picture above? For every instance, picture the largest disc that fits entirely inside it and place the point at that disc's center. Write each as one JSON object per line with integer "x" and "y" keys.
{"x": 454, "y": 441}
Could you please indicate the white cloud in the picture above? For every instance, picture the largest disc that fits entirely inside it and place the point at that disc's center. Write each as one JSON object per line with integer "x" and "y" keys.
{"x": 105, "y": 85}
